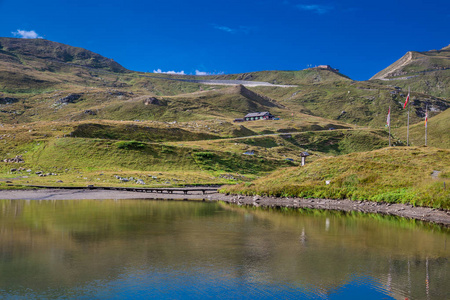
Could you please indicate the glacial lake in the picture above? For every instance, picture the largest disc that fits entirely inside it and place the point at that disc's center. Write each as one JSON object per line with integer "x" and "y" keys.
{"x": 115, "y": 249}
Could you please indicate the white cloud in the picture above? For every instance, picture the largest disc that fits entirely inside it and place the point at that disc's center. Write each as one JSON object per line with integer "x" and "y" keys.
{"x": 25, "y": 34}
{"x": 240, "y": 29}
{"x": 200, "y": 73}
{"x": 169, "y": 72}
{"x": 319, "y": 9}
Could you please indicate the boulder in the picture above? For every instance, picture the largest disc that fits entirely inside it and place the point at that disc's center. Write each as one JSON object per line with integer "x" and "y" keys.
{"x": 68, "y": 99}
{"x": 8, "y": 100}
{"x": 90, "y": 112}
{"x": 152, "y": 100}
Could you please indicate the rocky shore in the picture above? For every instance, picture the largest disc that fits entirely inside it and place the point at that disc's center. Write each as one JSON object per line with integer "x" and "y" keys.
{"x": 433, "y": 215}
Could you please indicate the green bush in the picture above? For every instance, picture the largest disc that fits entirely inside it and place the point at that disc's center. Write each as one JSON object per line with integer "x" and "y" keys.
{"x": 204, "y": 155}
{"x": 130, "y": 145}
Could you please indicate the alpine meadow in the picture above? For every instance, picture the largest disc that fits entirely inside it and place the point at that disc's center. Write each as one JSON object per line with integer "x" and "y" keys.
{"x": 73, "y": 118}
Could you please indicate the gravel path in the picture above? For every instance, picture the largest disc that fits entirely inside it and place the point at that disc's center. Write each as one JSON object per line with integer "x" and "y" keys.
{"x": 437, "y": 216}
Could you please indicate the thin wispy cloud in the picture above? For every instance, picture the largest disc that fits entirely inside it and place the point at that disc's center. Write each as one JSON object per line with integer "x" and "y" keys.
{"x": 225, "y": 28}
{"x": 26, "y": 34}
{"x": 240, "y": 29}
{"x": 159, "y": 71}
{"x": 315, "y": 8}
{"x": 201, "y": 73}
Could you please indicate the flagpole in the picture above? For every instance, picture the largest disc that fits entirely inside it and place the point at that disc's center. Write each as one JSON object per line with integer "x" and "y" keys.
{"x": 389, "y": 124}
{"x": 389, "y": 133}
{"x": 407, "y": 128}
{"x": 426, "y": 123}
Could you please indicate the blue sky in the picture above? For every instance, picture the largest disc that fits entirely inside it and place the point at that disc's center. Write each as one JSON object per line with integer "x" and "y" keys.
{"x": 234, "y": 36}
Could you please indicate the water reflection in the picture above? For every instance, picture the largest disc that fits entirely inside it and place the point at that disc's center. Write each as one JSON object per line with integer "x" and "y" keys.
{"x": 161, "y": 249}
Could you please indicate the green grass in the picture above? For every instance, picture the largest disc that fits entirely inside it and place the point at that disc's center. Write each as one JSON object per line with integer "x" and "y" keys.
{"x": 438, "y": 131}
{"x": 397, "y": 175}
{"x": 133, "y": 131}
{"x": 80, "y": 160}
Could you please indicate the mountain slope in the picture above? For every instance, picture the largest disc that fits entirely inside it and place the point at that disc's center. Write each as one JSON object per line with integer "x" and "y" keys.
{"x": 28, "y": 51}
{"x": 308, "y": 76}
{"x": 48, "y": 81}
{"x": 425, "y": 72}
{"x": 228, "y": 103}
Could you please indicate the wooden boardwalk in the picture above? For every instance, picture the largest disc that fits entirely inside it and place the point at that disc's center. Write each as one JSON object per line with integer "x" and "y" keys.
{"x": 182, "y": 190}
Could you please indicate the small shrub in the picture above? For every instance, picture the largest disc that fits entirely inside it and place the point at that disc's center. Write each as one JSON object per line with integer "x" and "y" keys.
{"x": 204, "y": 155}
{"x": 130, "y": 145}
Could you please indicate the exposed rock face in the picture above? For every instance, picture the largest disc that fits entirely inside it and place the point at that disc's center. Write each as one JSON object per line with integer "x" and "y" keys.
{"x": 68, "y": 99}
{"x": 152, "y": 100}
{"x": 433, "y": 104}
{"x": 8, "y": 100}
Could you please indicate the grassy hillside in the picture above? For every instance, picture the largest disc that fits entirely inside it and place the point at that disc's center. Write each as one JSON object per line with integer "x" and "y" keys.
{"x": 27, "y": 51}
{"x": 39, "y": 73}
{"x": 193, "y": 152}
{"x": 81, "y": 161}
{"x": 438, "y": 131}
{"x": 359, "y": 103}
{"x": 71, "y": 112}
{"x": 425, "y": 72}
{"x": 408, "y": 175}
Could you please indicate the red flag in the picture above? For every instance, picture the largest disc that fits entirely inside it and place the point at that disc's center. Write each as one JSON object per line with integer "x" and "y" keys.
{"x": 406, "y": 102}
{"x": 388, "y": 121}
{"x": 426, "y": 119}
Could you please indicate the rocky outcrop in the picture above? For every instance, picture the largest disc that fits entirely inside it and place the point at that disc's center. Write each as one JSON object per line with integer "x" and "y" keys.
{"x": 68, "y": 99}
{"x": 152, "y": 101}
{"x": 90, "y": 112}
{"x": 8, "y": 100}
{"x": 17, "y": 159}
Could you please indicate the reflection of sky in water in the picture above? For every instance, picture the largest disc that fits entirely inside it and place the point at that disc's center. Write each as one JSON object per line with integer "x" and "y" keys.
{"x": 182, "y": 285}
{"x": 172, "y": 250}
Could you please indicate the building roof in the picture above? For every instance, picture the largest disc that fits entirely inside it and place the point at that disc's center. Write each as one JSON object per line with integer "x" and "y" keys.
{"x": 257, "y": 114}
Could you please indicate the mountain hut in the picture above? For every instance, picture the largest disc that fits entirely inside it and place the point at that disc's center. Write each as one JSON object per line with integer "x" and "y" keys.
{"x": 265, "y": 115}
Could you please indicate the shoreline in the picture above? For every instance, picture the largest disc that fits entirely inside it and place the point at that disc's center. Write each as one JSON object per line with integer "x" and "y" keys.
{"x": 432, "y": 215}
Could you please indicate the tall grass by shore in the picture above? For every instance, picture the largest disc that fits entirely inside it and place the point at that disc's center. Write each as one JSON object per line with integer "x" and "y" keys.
{"x": 418, "y": 176}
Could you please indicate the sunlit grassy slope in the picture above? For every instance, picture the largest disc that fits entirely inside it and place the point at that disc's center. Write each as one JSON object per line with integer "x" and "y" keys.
{"x": 414, "y": 175}
{"x": 208, "y": 151}
{"x": 438, "y": 131}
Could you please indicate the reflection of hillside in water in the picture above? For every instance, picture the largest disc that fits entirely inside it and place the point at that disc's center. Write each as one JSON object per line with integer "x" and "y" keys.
{"x": 68, "y": 244}
{"x": 407, "y": 258}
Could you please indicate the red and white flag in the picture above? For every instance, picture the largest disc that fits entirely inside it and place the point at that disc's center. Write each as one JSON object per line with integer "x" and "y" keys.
{"x": 388, "y": 121}
{"x": 406, "y": 102}
{"x": 426, "y": 119}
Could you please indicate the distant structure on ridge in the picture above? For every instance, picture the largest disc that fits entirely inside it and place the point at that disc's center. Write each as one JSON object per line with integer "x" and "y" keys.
{"x": 324, "y": 67}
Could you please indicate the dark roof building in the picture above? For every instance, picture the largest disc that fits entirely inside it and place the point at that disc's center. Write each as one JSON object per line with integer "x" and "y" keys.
{"x": 265, "y": 115}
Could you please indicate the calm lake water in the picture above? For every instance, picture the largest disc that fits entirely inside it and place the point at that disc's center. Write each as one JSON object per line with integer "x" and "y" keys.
{"x": 88, "y": 249}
